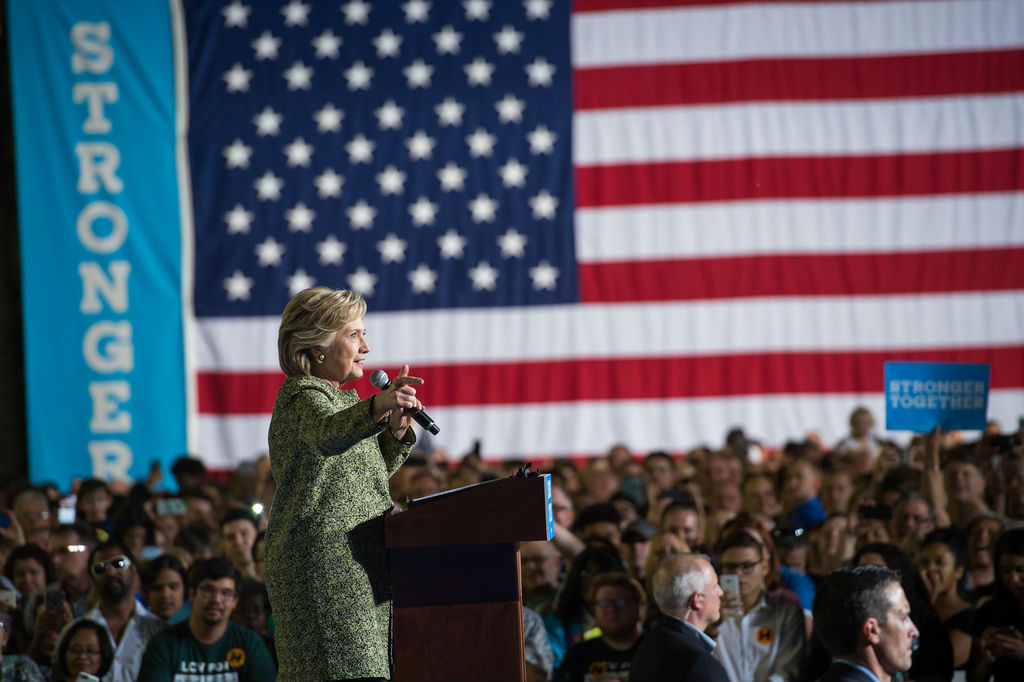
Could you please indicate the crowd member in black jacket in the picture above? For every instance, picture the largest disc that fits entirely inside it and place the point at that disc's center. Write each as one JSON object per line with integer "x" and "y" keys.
{"x": 686, "y": 590}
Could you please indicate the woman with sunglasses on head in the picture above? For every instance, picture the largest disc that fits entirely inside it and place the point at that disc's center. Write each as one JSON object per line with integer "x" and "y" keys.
{"x": 84, "y": 647}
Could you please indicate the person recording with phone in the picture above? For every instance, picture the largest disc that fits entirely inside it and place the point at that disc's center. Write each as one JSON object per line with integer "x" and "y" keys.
{"x": 997, "y": 651}
{"x": 332, "y": 454}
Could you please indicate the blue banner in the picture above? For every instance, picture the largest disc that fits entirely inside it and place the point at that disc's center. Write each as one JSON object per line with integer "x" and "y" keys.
{"x": 101, "y": 250}
{"x": 922, "y": 395}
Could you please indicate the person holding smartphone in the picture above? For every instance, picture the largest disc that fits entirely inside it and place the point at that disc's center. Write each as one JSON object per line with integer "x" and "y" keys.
{"x": 998, "y": 647}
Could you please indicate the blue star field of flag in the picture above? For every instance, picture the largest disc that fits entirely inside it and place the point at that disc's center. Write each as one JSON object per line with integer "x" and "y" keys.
{"x": 416, "y": 152}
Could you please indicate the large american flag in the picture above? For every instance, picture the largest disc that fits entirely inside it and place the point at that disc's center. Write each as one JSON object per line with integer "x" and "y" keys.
{"x": 635, "y": 221}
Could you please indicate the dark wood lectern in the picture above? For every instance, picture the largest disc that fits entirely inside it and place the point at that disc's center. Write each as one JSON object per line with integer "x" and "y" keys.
{"x": 455, "y": 579}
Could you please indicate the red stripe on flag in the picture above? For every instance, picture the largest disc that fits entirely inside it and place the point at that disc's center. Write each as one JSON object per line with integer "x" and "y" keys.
{"x": 552, "y": 381}
{"x": 799, "y": 79}
{"x": 800, "y": 177}
{"x": 830, "y": 274}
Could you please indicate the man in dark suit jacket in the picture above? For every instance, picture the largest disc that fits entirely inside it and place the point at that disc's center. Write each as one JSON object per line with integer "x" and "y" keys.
{"x": 686, "y": 590}
{"x": 862, "y": 616}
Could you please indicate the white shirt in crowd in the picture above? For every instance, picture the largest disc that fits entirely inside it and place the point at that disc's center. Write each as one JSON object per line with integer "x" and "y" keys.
{"x": 765, "y": 644}
{"x": 128, "y": 653}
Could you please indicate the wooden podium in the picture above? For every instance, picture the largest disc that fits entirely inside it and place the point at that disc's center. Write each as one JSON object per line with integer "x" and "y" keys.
{"x": 455, "y": 579}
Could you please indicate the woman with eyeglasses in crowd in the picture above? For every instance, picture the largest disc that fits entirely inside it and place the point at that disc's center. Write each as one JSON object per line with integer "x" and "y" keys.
{"x": 83, "y": 648}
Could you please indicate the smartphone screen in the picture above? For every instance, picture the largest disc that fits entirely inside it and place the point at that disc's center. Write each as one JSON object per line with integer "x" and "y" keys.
{"x": 730, "y": 582}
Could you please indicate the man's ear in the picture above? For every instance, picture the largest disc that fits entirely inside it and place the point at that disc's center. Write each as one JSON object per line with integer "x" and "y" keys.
{"x": 871, "y": 630}
{"x": 697, "y": 601}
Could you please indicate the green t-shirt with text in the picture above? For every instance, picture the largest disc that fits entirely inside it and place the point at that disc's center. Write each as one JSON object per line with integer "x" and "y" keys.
{"x": 174, "y": 655}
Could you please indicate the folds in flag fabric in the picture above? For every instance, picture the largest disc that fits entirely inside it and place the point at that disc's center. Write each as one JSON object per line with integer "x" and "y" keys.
{"x": 621, "y": 221}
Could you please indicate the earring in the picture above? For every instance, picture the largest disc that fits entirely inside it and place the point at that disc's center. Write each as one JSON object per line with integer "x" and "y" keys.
{"x": 320, "y": 358}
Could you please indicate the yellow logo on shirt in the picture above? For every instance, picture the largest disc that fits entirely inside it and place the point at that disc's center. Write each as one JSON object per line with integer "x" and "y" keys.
{"x": 765, "y": 635}
{"x": 236, "y": 658}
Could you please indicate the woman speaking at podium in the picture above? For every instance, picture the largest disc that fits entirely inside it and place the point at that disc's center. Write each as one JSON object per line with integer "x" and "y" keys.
{"x": 331, "y": 455}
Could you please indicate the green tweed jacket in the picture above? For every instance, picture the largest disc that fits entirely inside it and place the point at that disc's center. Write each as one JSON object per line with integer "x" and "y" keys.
{"x": 325, "y": 564}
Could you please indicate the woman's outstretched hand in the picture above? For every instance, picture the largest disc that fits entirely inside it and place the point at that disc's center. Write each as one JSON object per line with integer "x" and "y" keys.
{"x": 400, "y": 400}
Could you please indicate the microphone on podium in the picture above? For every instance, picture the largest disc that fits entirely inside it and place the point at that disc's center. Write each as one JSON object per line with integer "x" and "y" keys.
{"x": 380, "y": 379}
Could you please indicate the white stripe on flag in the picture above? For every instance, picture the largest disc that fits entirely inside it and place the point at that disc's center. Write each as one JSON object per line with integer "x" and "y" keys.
{"x": 745, "y": 31}
{"x": 653, "y": 329}
{"x": 897, "y": 126}
{"x": 800, "y": 227}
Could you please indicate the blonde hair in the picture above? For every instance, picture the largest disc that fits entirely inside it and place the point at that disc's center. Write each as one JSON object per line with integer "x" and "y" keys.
{"x": 309, "y": 320}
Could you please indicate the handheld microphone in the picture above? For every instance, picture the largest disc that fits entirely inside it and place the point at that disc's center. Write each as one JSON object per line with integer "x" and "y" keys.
{"x": 380, "y": 379}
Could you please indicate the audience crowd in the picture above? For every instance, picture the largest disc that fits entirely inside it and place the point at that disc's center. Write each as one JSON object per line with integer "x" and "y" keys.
{"x": 140, "y": 583}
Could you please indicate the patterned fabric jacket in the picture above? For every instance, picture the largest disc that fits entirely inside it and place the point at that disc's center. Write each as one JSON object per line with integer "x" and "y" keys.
{"x": 326, "y": 566}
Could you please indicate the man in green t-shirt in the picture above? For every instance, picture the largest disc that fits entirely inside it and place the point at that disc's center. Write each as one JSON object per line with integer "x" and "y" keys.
{"x": 209, "y": 647}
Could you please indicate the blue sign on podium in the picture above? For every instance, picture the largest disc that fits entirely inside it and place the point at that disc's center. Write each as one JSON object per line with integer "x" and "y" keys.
{"x": 922, "y": 395}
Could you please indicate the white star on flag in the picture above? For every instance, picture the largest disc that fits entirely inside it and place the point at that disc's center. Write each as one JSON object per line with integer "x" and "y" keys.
{"x": 477, "y": 10}
{"x": 239, "y": 220}
{"x": 479, "y": 72}
{"x": 423, "y": 279}
{"x": 361, "y": 215}
{"x": 508, "y": 40}
{"x": 391, "y": 180}
{"x": 484, "y": 276}
{"x": 451, "y": 244}
{"x": 268, "y": 122}
{"x": 328, "y": 118}
{"x": 331, "y": 250}
{"x": 537, "y": 9}
{"x": 483, "y": 208}
{"x": 266, "y": 46}
{"x": 295, "y": 13}
{"x": 418, "y": 74}
{"x": 423, "y": 211}
{"x": 447, "y": 40}
{"x": 481, "y": 143}
{"x": 510, "y": 109}
{"x": 238, "y": 286}
{"x": 299, "y": 76}
{"x": 449, "y": 112}
{"x": 540, "y": 72}
{"x": 513, "y": 173}
{"x": 512, "y": 243}
{"x": 360, "y": 149}
{"x": 421, "y": 146}
{"x": 451, "y": 177}
{"x": 236, "y": 15}
{"x": 237, "y": 154}
{"x": 300, "y": 218}
{"x": 543, "y": 205}
{"x": 269, "y": 252}
{"x": 237, "y": 78}
{"x": 387, "y": 43}
{"x": 327, "y": 45}
{"x": 542, "y": 140}
{"x": 358, "y": 76}
{"x": 299, "y": 153}
{"x": 299, "y": 281}
{"x": 392, "y": 249}
{"x": 268, "y": 186}
{"x": 416, "y": 11}
{"x": 362, "y": 281}
{"x": 389, "y": 115}
{"x": 356, "y": 12}
{"x": 544, "y": 276}
{"x": 328, "y": 184}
